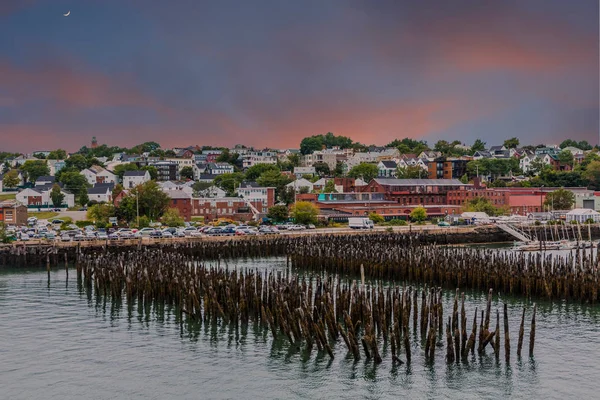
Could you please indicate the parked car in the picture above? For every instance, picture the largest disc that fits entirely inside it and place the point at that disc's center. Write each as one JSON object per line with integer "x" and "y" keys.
{"x": 65, "y": 238}
{"x": 215, "y": 231}
{"x": 443, "y": 223}
{"x": 166, "y": 234}
{"x": 196, "y": 234}
{"x": 80, "y": 237}
{"x": 102, "y": 236}
{"x": 179, "y": 233}
{"x": 156, "y": 234}
{"x": 147, "y": 231}
{"x": 24, "y": 237}
{"x": 113, "y": 236}
{"x": 311, "y": 226}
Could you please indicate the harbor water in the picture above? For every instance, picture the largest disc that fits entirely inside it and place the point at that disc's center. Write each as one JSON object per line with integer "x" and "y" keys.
{"x": 59, "y": 341}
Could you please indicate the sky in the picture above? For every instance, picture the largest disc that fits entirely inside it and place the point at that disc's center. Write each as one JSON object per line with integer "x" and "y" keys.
{"x": 267, "y": 73}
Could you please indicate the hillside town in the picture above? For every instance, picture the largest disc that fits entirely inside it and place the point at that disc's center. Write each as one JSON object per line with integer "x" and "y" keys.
{"x": 333, "y": 176}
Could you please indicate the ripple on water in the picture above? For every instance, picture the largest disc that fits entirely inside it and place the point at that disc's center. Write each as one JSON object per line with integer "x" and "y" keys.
{"x": 58, "y": 343}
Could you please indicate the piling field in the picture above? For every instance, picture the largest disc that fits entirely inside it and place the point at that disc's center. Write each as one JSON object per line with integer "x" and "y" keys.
{"x": 309, "y": 311}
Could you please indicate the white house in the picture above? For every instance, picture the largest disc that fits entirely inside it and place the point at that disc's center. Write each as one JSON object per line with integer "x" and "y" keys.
{"x": 298, "y": 184}
{"x": 40, "y": 197}
{"x": 258, "y": 157}
{"x": 387, "y": 169}
{"x": 132, "y": 179}
{"x": 96, "y": 174}
{"x": 101, "y": 194}
{"x": 254, "y": 193}
{"x": 301, "y": 171}
{"x": 181, "y": 162}
{"x": 220, "y": 168}
{"x": 212, "y": 192}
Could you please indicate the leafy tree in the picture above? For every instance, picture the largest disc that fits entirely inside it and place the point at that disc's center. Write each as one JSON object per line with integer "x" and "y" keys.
{"x": 560, "y": 199}
{"x": 257, "y": 170}
{"x": 583, "y": 145}
{"x": 592, "y": 174}
{"x": 565, "y": 157}
{"x": 410, "y": 172}
{"x": 11, "y": 179}
{"x": 58, "y": 154}
{"x": 153, "y": 202}
{"x": 449, "y": 149}
{"x": 229, "y": 182}
{"x": 511, "y": 143}
{"x": 117, "y": 190}
{"x": 322, "y": 168}
{"x": 83, "y": 198}
{"x": 339, "y": 169}
{"x": 329, "y": 187}
{"x": 101, "y": 212}
{"x": 170, "y": 153}
{"x": 305, "y": 212}
{"x": 464, "y": 179}
{"x": 481, "y": 204}
{"x": 78, "y": 162}
{"x": 287, "y": 195}
{"x": 39, "y": 156}
{"x": 273, "y": 178}
{"x": 171, "y": 217}
{"x": 199, "y": 187}
{"x": 187, "y": 173}
{"x": 365, "y": 171}
{"x": 56, "y": 195}
{"x": 376, "y": 218}
{"x": 478, "y": 145}
{"x": 294, "y": 159}
{"x": 311, "y": 144}
{"x": 419, "y": 215}
{"x": 407, "y": 145}
{"x": 151, "y": 170}
{"x": 120, "y": 169}
{"x": 74, "y": 182}
{"x": 34, "y": 169}
{"x": 278, "y": 213}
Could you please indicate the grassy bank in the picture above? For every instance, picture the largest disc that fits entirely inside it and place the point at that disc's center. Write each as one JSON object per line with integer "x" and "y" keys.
{"x": 43, "y": 214}
{"x": 7, "y": 196}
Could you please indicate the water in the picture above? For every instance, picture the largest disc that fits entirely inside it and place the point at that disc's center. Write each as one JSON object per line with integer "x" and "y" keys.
{"x": 58, "y": 343}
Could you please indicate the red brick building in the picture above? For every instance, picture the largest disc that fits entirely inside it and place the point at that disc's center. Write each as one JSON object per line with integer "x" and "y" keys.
{"x": 13, "y": 213}
{"x": 413, "y": 192}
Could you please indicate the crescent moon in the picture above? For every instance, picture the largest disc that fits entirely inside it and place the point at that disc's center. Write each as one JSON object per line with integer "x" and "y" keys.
{"x": 67, "y": 14}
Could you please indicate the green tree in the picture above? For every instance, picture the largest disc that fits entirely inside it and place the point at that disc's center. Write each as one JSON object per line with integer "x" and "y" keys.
{"x": 408, "y": 145}
{"x": 329, "y": 187}
{"x": 278, "y": 213}
{"x": 151, "y": 170}
{"x": 294, "y": 159}
{"x": 274, "y": 179}
{"x": 565, "y": 157}
{"x": 229, "y": 182}
{"x": 257, "y": 170}
{"x": 376, "y": 218}
{"x": 120, "y": 169}
{"x": 153, "y": 202}
{"x": 305, "y": 212}
{"x": 56, "y": 195}
{"x": 464, "y": 179}
{"x": 365, "y": 171}
{"x": 74, "y": 182}
{"x": 511, "y": 143}
{"x": 287, "y": 195}
{"x": 322, "y": 169}
{"x": 117, "y": 190}
{"x": 187, "y": 173}
{"x": 418, "y": 215}
{"x": 478, "y": 145}
{"x": 58, "y": 154}
{"x": 592, "y": 174}
{"x": 34, "y": 169}
{"x": 171, "y": 217}
{"x": 101, "y": 212}
{"x": 338, "y": 172}
{"x": 78, "y": 162}
{"x": 481, "y": 204}
{"x": 560, "y": 199}
{"x": 11, "y": 179}
{"x": 411, "y": 172}
{"x": 199, "y": 187}
{"x": 83, "y": 198}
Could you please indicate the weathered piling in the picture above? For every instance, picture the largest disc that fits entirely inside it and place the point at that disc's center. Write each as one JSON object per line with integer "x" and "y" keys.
{"x": 532, "y": 333}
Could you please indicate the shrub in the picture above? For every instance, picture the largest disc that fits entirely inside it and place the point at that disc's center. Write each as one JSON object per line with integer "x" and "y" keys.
{"x": 397, "y": 222}
{"x": 389, "y": 229}
{"x": 376, "y": 218}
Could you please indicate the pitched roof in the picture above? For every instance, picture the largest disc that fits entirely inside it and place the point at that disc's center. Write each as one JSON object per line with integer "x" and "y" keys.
{"x": 390, "y": 164}
{"x": 207, "y": 176}
{"x": 135, "y": 173}
{"x": 45, "y": 178}
{"x": 99, "y": 190}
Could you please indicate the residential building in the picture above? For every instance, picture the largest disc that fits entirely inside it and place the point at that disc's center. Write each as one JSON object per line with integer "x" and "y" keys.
{"x": 206, "y": 178}
{"x": 429, "y": 155}
{"x": 258, "y": 157}
{"x": 45, "y": 180}
{"x": 13, "y": 213}
{"x": 55, "y": 166}
{"x": 166, "y": 171}
{"x": 181, "y": 162}
{"x": 39, "y": 197}
{"x": 261, "y": 197}
{"x": 448, "y": 168}
{"x": 220, "y": 168}
{"x": 182, "y": 201}
{"x": 97, "y": 174}
{"x": 100, "y": 194}
{"x": 132, "y": 179}
{"x": 301, "y": 171}
{"x": 300, "y": 184}
{"x": 387, "y": 169}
